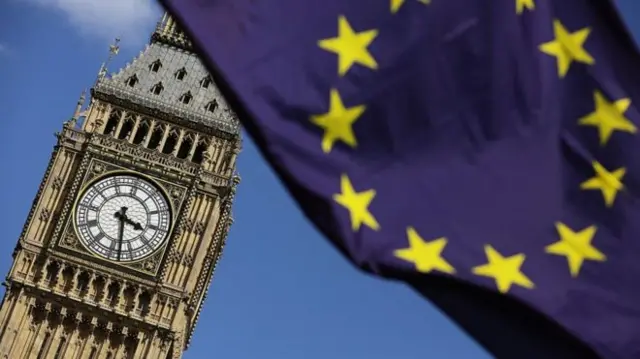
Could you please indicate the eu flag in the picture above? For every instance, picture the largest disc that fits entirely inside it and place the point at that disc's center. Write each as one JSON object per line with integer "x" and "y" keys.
{"x": 485, "y": 152}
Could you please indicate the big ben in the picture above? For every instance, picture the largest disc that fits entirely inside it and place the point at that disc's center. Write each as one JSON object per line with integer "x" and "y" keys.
{"x": 123, "y": 236}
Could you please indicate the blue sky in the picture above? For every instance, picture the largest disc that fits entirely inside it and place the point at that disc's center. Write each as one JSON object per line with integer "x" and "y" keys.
{"x": 280, "y": 290}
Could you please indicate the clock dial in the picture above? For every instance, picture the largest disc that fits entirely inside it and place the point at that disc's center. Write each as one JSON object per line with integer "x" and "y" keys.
{"x": 123, "y": 218}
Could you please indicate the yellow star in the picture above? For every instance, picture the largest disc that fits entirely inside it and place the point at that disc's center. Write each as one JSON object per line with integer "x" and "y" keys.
{"x": 576, "y": 246}
{"x": 609, "y": 117}
{"x": 426, "y": 256}
{"x": 337, "y": 123}
{"x": 350, "y": 47}
{"x": 609, "y": 183}
{"x": 567, "y": 47}
{"x": 504, "y": 270}
{"x": 357, "y": 203}
{"x": 397, "y": 4}
{"x": 522, "y": 4}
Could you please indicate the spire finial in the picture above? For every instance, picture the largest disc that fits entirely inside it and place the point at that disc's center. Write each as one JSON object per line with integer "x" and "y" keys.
{"x": 113, "y": 51}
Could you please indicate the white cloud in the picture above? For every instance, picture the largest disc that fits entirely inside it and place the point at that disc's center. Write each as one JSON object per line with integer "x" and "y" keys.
{"x": 107, "y": 19}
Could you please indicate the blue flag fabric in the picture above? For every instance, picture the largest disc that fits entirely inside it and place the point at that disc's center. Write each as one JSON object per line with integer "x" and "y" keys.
{"x": 485, "y": 152}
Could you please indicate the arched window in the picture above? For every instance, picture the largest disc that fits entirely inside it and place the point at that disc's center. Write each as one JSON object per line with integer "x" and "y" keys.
{"x": 180, "y": 74}
{"x": 127, "y": 127}
{"x": 198, "y": 155}
{"x": 157, "y": 88}
{"x": 155, "y": 66}
{"x": 170, "y": 143}
{"x": 205, "y": 82}
{"x": 132, "y": 81}
{"x": 186, "y": 98}
{"x": 156, "y": 137}
{"x": 60, "y": 350}
{"x": 43, "y": 348}
{"x": 185, "y": 147}
{"x": 141, "y": 134}
{"x": 112, "y": 122}
{"x": 211, "y": 106}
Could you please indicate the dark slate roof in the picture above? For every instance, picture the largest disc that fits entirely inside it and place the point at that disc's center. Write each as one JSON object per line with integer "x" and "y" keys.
{"x": 172, "y": 58}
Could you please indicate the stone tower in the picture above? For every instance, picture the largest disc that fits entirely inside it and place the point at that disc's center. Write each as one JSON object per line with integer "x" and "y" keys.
{"x": 125, "y": 231}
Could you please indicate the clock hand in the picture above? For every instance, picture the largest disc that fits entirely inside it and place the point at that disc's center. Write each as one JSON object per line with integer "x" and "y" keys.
{"x": 121, "y": 215}
{"x": 136, "y": 225}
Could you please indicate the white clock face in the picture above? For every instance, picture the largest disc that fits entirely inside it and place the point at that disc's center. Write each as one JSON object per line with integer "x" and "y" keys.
{"x": 123, "y": 218}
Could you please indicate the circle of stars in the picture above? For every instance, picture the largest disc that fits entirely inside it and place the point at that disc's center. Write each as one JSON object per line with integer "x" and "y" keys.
{"x": 351, "y": 46}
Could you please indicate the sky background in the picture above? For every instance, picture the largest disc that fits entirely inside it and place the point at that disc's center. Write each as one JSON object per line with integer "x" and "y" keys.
{"x": 280, "y": 290}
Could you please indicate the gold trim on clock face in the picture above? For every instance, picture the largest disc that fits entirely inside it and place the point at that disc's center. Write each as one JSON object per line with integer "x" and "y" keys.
{"x": 122, "y": 217}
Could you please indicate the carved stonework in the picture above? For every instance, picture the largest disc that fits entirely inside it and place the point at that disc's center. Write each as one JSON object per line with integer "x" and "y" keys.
{"x": 38, "y": 194}
{"x": 173, "y": 256}
{"x": 187, "y": 260}
{"x": 188, "y": 225}
{"x": 98, "y": 168}
{"x": 198, "y": 229}
{"x": 45, "y": 214}
{"x": 58, "y": 182}
{"x": 70, "y": 240}
{"x": 148, "y": 265}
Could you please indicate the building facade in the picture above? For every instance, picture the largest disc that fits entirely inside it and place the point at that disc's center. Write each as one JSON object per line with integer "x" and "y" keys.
{"x": 120, "y": 245}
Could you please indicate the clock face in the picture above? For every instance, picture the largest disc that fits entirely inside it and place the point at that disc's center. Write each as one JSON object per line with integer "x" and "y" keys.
{"x": 123, "y": 218}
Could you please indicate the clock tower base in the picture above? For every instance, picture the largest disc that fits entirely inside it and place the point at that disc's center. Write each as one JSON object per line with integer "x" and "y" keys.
{"x": 33, "y": 326}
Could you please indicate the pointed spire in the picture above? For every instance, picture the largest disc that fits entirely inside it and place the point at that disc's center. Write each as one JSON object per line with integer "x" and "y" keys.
{"x": 167, "y": 30}
{"x": 166, "y": 25}
{"x": 78, "y": 111}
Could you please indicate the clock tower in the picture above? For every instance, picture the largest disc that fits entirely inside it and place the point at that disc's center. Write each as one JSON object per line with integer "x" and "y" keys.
{"x": 125, "y": 231}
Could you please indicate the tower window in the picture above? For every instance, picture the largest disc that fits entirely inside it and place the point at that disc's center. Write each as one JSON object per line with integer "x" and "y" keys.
{"x": 144, "y": 300}
{"x": 126, "y": 129}
{"x": 83, "y": 283}
{"x": 170, "y": 143}
{"x": 198, "y": 155}
{"x": 155, "y": 66}
{"x": 112, "y": 122}
{"x": 205, "y": 82}
{"x": 155, "y": 139}
{"x": 132, "y": 80}
{"x": 141, "y": 134}
{"x": 45, "y": 344}
{"x": 180, "y": 74}
{"x": 211, "y": 106}
{"x": 186, "y": 98}
{"x": 157, "y": 88}
{"x": 185, "y": 147}
{"x": 60, "y": 350}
